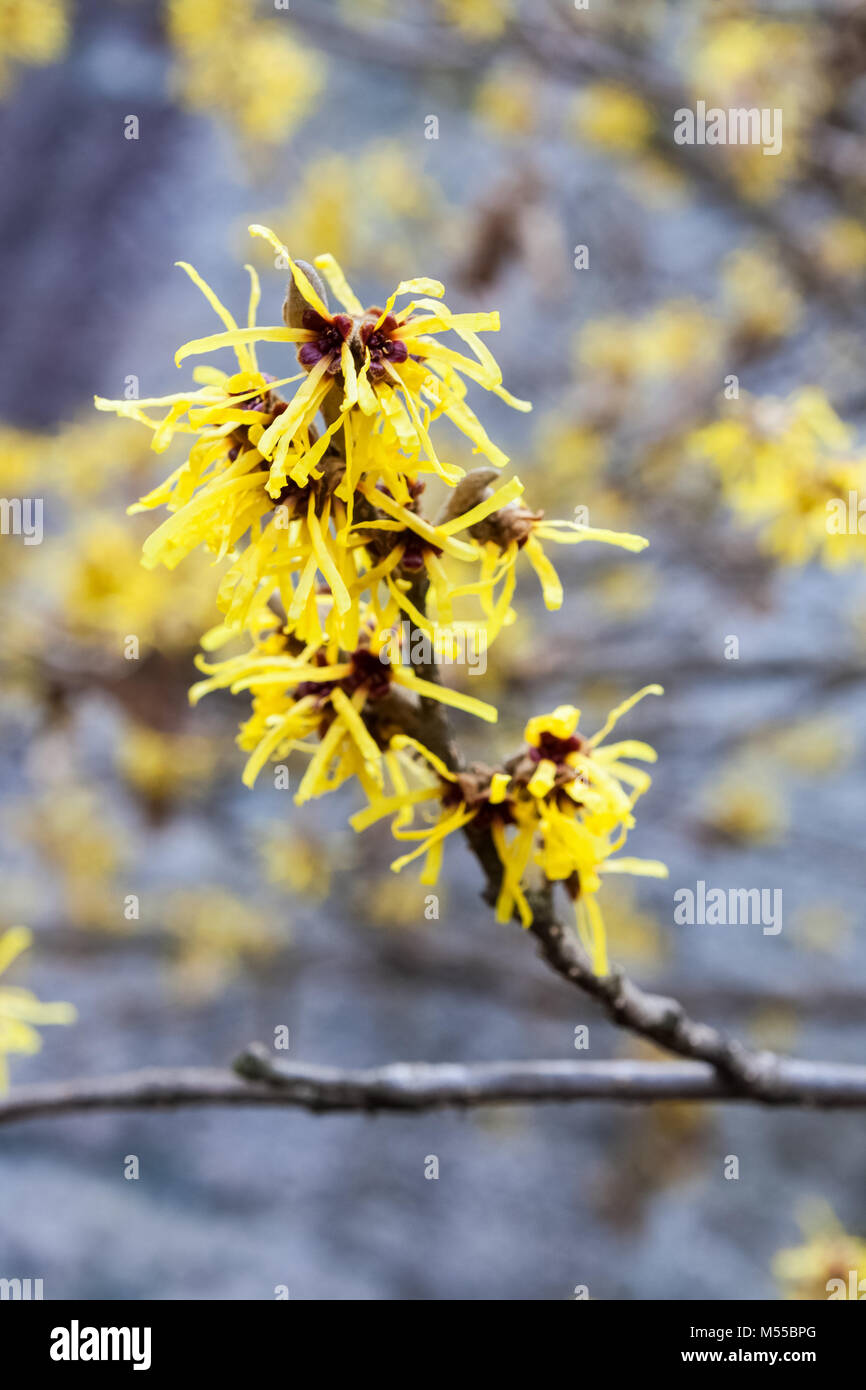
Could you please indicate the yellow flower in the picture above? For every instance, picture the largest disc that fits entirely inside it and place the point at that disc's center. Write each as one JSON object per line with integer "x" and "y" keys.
{"x": 329, "y": 705}
{"x": 504, "y": 528}
{"x": 578, "y": 802}
{"x": 564, "y": 804}
{"x": 259, "y": 470}
{"x": 20, "y": 1011}
{"x": 314, "y": 501}
{"x": 387, "y": 367}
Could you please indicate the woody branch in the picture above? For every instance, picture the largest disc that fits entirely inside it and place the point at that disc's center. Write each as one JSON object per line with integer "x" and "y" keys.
{"x": 420, "y": 1086}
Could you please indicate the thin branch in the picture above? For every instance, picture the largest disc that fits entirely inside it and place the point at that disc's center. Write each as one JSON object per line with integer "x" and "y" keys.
{"x": 659, "y": 1019}
{"x": 421, "y": 1086}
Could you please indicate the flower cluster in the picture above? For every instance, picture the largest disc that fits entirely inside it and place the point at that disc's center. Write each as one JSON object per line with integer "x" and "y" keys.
{"x": 564, "y": 803}
{"x": 310, "y": 486}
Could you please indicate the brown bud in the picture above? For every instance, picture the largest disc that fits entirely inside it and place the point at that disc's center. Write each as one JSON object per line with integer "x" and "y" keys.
{"x": 294, "y": 303}
{"x": 468, "y": 493}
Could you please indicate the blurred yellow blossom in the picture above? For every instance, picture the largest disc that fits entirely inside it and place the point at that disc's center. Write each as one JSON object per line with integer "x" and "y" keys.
{"x": 791, "y": 469}
{"x": 573, "y": 451}
{"x": 372, "y": 206}
{"x": 217, "y": 933}
{"x": 299, "y": 864}
{"x": 657, "y": 182}
{"x": 251, "y": 73}
{"x": 30, "y": 36}
{"x": 107, "y": 595}
{"x": 745, "y": 62}
{"x": 612, "y": 117}
{"x": 162, "y": 767}
{"x": 82, "y": 850}
{"x": 20, "y": 458}
{"x": 743, "y": 805}
{"x": 477, "y": 19}
{"x": 76, "y": 462}
{"x": 774, "y": 1026}
{"x": 365, "y": 16}
{"x": 841, "y": 245}
{"x": 759, "y": 296}
{"x": 385, "y": 901}
{"x": 674, "y": 337}
{"x": 812, "y": 747}
{"x": 20, "y": 1011}
{"x": 823, "y": 1266}
{"x": 626, "y": 592}
{"x": 507, "y": 101}
{"x": 637, "y": 935}
{"x": 822, "y": 926}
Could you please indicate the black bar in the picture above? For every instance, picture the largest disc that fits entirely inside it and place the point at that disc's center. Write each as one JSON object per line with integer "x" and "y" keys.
{"x": 219, "y": 1338}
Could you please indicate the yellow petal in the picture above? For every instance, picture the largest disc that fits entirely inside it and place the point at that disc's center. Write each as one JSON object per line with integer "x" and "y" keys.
{"x": 499, "y": 784}
{"x": 617, "y": 713}
{"x": 338, "y": 284}
{"x": 648, "y": 868}
{"x": 235, "y": 337}
{"x": 300, "y": 279}
{"x": 455, "y": 698}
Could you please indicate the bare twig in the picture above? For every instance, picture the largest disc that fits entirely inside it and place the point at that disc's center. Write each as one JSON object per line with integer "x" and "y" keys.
{"x": 421, "y": 1086}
